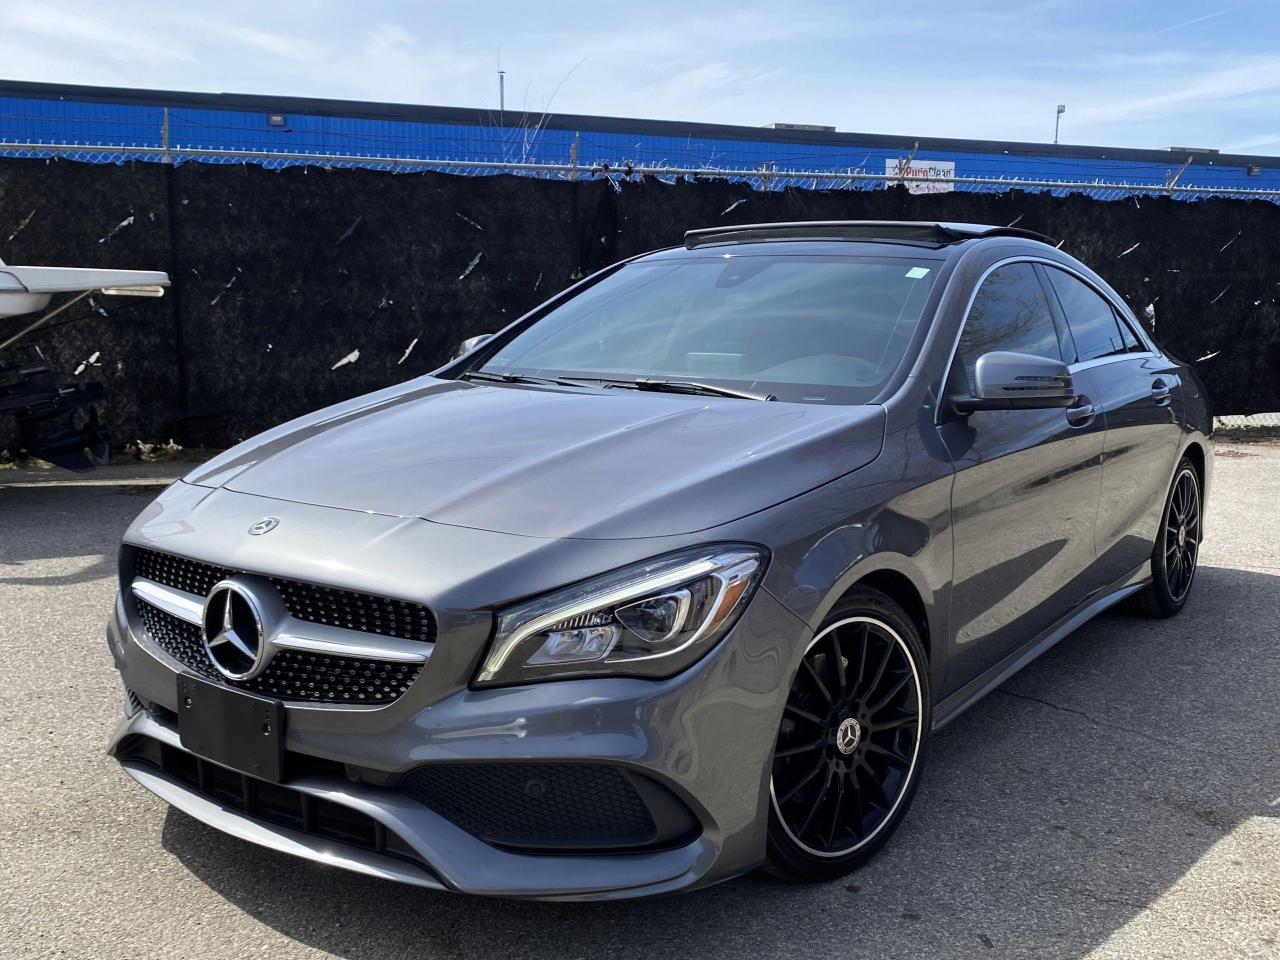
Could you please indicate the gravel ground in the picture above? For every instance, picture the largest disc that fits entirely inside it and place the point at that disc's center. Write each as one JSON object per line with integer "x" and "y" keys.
{"x": 1119, "y": 798}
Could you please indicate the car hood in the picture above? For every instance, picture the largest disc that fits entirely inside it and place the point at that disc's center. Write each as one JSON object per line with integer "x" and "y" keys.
{"x": 552, "y": 463}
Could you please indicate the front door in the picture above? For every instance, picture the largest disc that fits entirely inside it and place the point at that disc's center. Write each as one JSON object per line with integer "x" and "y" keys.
{"x": 1026, "y": 489}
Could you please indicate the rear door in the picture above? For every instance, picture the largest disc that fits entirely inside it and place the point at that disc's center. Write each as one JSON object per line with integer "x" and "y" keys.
{"x": 1026, "y": 488}
{"x": 1136, "y": 388}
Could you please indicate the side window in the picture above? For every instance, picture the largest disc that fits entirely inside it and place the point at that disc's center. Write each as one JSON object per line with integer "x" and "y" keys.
{"x": 1010, "y": 312}
{"x": 1092, "y": 319}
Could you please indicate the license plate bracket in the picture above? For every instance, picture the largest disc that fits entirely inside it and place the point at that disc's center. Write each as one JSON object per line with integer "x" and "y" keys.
{"x": 231, "y": 727}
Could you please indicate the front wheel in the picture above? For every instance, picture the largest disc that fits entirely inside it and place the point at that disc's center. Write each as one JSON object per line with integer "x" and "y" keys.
{"x": 1177, "y": 547}
{"x": 852, "y": 740}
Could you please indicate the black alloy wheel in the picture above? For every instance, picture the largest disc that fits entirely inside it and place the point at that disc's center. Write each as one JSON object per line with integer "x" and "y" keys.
{"x": 1182, "y": 535}
{"x": 1177, "y": 546}
{"x": 851, "y": 741}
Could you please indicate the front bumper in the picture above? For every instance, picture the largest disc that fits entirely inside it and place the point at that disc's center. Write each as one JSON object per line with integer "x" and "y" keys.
{"x": 706, "y": 736}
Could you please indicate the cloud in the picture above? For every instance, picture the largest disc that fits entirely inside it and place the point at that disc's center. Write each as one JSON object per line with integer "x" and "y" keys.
{"x": 102, "y": 37}
{"x": 713, "y": 79}
{"x": 1258, "y": 76}
{"x": 21, "y": 61}
{"x": 388, "y": 62}
{"x": 1250, "y": 144}
{"x": 277, "y": 44}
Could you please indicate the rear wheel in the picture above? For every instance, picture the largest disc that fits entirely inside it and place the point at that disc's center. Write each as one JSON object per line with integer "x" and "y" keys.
{"x": 1177, "y": 547}
{"x": 852, "y": 740}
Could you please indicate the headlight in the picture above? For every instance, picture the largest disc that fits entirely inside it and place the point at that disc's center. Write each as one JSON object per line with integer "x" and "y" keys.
{"x": 652, "y": 619}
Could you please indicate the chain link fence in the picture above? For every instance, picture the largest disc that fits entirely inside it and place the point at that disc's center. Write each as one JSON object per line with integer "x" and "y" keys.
{"x": 1264, "y": 424}
{"x": 767, "y": 176}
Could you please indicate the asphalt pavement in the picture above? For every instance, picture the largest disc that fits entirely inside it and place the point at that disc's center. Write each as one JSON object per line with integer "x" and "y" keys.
{"x": 1119, "y": 798}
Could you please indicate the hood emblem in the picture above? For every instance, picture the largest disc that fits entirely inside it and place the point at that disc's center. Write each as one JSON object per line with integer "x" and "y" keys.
{"x": 235, "y": 638}
{"x": 265, "y": 525}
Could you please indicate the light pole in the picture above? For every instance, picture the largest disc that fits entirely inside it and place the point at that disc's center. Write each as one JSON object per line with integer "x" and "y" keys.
{"x": 1062, "y": 108}
{"x": 502, "y": 111}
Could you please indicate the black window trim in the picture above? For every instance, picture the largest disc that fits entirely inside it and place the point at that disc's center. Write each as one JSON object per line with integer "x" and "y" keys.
{"x": 1145, "y": 347}
{"x": 941, "y": 405}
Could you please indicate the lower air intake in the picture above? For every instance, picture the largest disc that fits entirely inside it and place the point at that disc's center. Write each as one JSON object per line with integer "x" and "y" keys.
{"x": 563, "y": 807}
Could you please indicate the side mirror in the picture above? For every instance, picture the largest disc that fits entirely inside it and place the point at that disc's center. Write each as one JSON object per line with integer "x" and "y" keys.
{"x": 469, "y": 344}
{"x": 1018, "y": 381}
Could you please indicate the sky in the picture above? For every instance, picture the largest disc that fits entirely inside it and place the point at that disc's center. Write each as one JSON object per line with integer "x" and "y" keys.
{"x": 1138, "y": 74}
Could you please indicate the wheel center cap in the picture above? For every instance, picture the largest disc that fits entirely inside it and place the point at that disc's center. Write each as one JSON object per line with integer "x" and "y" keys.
{"x": 848, "y": 736}
{"x": 1182, "y": 536}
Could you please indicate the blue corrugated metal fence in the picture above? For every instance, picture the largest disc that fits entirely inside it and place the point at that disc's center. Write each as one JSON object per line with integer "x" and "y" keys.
{"x": 50, "y": 123}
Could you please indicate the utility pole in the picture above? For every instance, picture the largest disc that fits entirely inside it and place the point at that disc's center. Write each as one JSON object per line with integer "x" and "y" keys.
{"x": 1062, "y": 108}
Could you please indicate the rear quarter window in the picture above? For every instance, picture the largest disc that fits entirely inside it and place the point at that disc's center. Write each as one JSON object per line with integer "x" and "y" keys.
{"x": 1096, "y": 330}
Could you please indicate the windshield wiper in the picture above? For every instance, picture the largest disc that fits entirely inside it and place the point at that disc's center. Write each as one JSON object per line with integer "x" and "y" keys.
{"x": 641, "y": 383}
{"x": 697, "y": 386}
{"x": 507, "y": 378}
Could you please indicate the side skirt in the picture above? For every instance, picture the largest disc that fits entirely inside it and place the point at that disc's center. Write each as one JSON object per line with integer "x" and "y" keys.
{"x": 977, "y": 688}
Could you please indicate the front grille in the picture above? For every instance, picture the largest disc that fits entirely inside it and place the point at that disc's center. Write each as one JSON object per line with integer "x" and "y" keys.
{"x": 292, "y": 674}
{"x": 321, "y": 678}
{"x": 269, "y": 802}
{"x": 385, "y": 616}
{"x": 177, "y": 638}
{"x": 536, "y": 806}
{"x": 357, "y": 611}
{"x": 178, "y": 572}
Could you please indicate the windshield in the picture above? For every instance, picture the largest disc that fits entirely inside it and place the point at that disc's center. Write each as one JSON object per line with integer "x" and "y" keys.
{"x": 817, "y": 329}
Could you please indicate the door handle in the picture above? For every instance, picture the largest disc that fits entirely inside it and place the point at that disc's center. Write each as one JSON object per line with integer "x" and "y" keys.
{"x": 1082, "y": 413}
{"x": 1159, "y": 391}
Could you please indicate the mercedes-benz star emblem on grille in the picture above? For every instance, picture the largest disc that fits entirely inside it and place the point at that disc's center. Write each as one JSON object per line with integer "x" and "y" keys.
{"x": 265, "y": 525}
{"x": 234, "y": 636}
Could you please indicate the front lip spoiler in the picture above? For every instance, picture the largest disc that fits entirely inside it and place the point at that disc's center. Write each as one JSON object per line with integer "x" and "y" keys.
{"x": 458, "y": 861}
{"x": 281, "y": 839}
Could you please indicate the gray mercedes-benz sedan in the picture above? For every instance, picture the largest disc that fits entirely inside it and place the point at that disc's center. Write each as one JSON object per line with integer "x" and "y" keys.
{"x": 671, "y": 578}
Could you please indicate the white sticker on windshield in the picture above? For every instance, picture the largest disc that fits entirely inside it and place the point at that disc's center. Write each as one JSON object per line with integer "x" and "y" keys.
{"x": 915, "y": 273}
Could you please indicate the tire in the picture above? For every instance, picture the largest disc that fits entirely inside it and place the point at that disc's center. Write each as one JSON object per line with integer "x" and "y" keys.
{"x": 851, "y": 742}
{"x": 1176, "y": 551}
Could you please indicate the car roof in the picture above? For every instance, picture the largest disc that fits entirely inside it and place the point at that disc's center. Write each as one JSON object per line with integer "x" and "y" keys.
{"x": 774, "y": 247}
{"x": 915, "y": 232}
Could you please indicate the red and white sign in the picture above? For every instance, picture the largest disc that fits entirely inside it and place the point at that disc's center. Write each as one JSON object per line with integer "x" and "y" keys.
{"x": 923, "y": 171}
